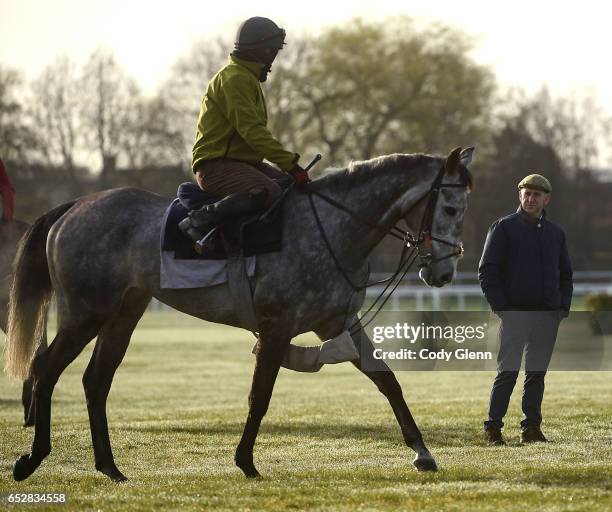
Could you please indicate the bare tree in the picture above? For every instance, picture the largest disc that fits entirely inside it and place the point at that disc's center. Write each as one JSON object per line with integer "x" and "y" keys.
{"x": 287, "y": 110}
{"x": 149, "y": 140}
{"x": 55, "y": 112}
{"x": 575, "y": 126}
{"x": 111, "y": 100}
{"x": 181, "y": 93}
{"x": 16, "y": 137}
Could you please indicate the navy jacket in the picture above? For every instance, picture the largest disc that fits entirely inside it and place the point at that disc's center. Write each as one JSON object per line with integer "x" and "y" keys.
{"x": 525, "y": 265}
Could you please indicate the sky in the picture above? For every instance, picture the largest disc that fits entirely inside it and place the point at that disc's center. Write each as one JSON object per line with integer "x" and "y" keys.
{"x": 561, "y": 44}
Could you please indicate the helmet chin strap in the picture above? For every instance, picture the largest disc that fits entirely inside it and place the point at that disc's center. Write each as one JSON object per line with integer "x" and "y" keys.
{"x": 263, "y": 75}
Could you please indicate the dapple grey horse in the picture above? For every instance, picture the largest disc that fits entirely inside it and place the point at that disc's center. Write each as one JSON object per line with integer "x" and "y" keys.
{"x": 100, "y": 255}
{"x": 10, "y": 233}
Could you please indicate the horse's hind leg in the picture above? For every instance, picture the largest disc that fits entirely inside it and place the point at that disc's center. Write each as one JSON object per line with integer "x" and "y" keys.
{"x": 46, "y": 370}
{"x": 28, "y": 402}
{"x": 110, "y": 348}
{"x": 270, "y": 351}
{"x": 389, "y": 386}
{"x": 27, "y": 393}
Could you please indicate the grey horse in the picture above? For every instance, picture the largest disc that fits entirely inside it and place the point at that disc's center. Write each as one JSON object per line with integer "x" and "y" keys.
{"x": 100, "y": 255}
{"x": 10, "y": 233}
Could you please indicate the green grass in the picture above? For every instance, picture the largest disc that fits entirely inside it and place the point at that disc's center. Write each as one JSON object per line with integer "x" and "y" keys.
{"x": 329, "y": 441}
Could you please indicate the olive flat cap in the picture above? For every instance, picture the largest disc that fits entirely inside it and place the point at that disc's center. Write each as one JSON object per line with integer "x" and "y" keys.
{"x": 536, "y": 181}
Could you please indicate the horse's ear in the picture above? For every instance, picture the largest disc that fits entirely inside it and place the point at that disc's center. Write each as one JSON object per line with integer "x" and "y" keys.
{"x": 452, "y": 160}
{"x": 466, "y": 156}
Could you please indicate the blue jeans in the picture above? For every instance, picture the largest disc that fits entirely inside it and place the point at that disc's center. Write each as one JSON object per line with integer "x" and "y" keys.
{"x": 532, "y": 332}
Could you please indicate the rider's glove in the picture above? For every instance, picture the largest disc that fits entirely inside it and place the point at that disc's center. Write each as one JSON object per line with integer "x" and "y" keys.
{"x": 299, "y": 174}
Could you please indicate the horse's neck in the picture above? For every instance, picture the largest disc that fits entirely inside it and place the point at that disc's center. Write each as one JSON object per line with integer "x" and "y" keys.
{"x": 377, "y": 193}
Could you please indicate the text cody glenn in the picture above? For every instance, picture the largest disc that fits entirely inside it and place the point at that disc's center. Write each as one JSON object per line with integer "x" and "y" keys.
{"x": 460, "y": 354}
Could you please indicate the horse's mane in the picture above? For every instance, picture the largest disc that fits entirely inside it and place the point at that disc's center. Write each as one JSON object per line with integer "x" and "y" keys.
{"x": 358, "y": 172}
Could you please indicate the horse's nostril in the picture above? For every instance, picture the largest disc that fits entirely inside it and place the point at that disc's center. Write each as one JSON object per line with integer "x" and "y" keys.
{"x": 447, "y": 278}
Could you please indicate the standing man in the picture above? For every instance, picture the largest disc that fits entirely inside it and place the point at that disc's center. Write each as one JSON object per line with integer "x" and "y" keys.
{"x": 526, "y": 276}
{"x": 7, "y": 192}
{"x": 232, "y": 138}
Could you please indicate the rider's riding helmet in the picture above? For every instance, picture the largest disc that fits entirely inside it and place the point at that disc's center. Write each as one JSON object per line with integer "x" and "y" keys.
{"x": 258, "y": 32}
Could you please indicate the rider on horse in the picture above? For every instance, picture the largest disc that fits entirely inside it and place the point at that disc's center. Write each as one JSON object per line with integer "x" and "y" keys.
{"x": 232, "y": 138}
{"x": 7, "y": 192}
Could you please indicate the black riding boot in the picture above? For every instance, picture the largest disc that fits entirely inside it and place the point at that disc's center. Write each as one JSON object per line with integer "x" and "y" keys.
{"x": 203, "y": 220}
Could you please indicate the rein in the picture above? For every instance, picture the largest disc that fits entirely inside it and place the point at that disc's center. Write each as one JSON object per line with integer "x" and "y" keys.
{"x": 410, "y": 251}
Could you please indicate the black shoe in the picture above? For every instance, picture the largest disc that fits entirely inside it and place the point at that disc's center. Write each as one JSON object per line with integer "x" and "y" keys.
{"x": 188, "y": 228}
{"x": 202, "y": 221}
{"x": 205, "y": 218}
{"x": 532, "y": 434}
{"x": 493, "y": 436}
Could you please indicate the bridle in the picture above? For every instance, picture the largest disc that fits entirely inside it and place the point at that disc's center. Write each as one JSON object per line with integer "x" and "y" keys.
{"x": 414, "y": 247}
{"x": 425, "y": 236}
{"x": 420, "y": 244}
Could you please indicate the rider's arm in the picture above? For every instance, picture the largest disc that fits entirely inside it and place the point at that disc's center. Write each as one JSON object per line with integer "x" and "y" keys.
{"x": 238, "y": 100}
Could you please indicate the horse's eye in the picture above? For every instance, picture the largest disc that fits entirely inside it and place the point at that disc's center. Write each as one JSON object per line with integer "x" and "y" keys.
{"x": 449, "y": 210}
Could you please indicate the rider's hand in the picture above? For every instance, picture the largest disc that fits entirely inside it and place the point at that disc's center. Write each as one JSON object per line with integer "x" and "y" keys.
{"x": 299, "y": 174}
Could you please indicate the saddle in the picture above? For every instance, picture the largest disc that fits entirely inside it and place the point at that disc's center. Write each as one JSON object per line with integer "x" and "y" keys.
{"x": 247, "y": 235}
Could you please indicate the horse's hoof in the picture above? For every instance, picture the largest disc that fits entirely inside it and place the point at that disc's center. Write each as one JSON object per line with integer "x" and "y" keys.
{"x": 28, "y": 422}
{"x": 251, "y": 473}
{"x": 116, "y": 476}
{"x": 425, "y": 464}
{"x": 248, "y": 468}
{"x": 113, "y": 473}
{"x": 24, "y": 467}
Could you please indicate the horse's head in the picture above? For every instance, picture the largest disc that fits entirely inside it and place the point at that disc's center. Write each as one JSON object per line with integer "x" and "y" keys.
{"x": 441, "y": 224}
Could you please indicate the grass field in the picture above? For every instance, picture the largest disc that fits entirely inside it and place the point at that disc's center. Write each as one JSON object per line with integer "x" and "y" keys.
{"x": 329, "y": 441}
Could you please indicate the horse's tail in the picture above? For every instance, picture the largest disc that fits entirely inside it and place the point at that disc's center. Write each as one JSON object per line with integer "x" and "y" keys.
{"x": 30, "y": 295}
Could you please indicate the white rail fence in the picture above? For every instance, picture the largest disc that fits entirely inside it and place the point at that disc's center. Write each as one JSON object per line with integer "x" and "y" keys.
{"x": 464, "y": 288}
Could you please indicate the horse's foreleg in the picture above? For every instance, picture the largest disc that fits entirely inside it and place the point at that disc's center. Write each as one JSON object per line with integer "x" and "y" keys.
{"x": 389, "y": 386}
{"x": 270, "y": 351}
{"x": 46, "y": 370}
{"x": 110, "y": 348}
